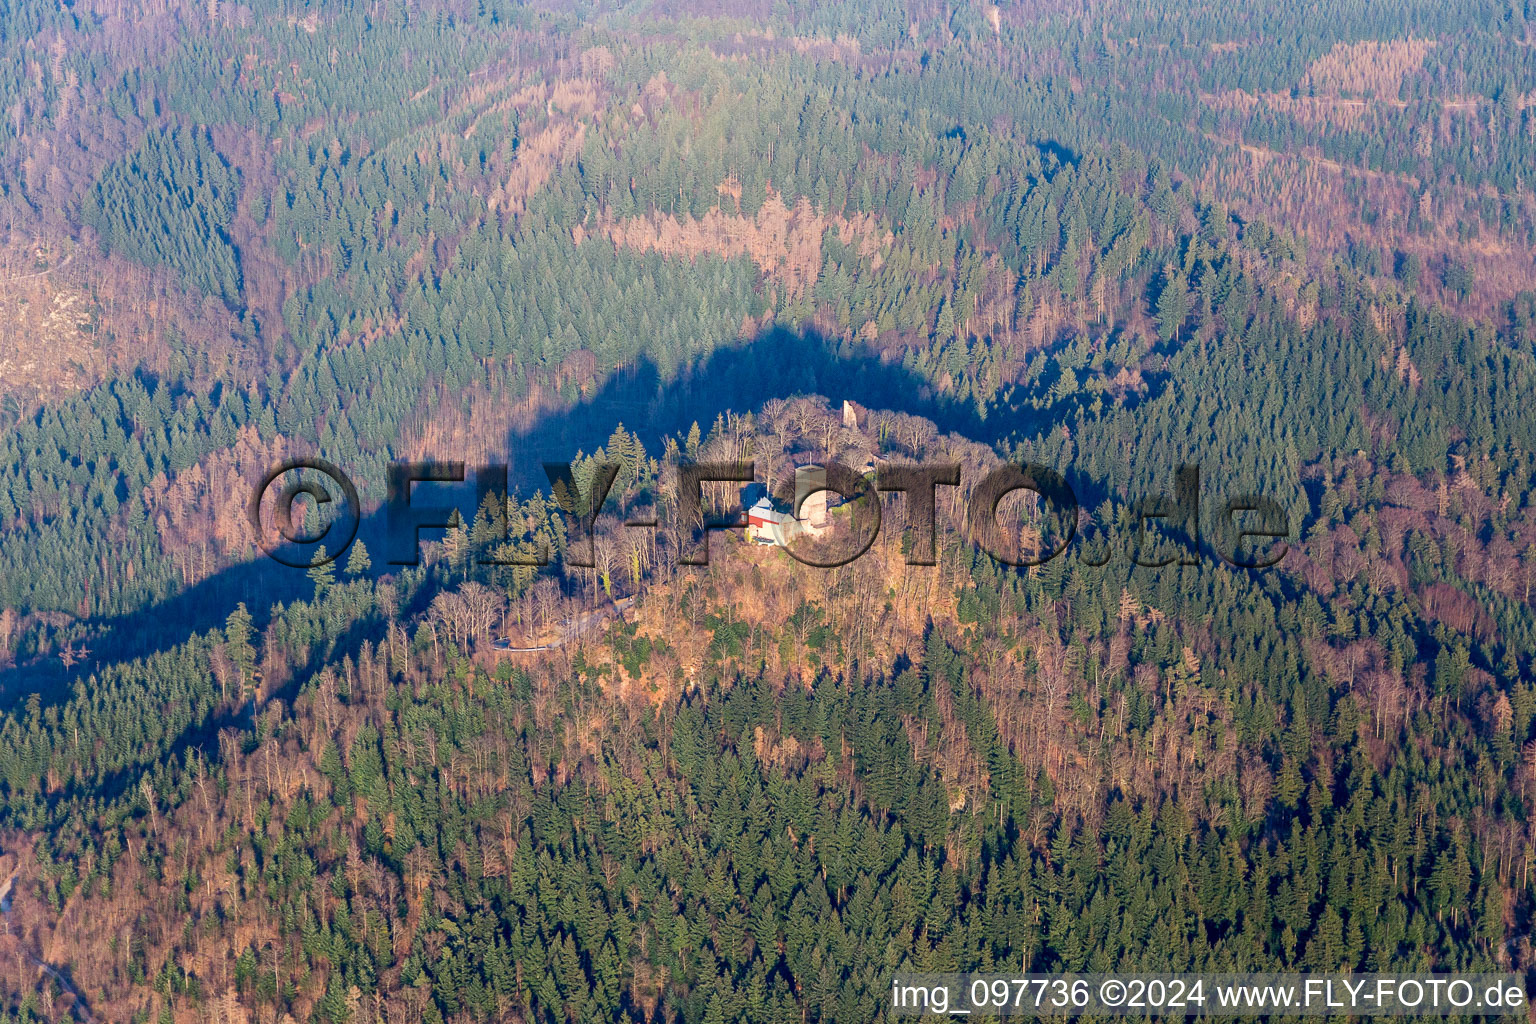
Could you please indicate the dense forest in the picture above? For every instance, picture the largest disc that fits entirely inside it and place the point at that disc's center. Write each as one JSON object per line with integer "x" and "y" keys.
{"x": 1289, "y": 245}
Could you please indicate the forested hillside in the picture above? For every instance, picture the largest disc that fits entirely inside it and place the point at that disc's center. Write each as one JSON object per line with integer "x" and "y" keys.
{"x": 1291, "y": 246}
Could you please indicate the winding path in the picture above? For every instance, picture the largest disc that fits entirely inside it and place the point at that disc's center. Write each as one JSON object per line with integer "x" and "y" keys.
{"x": 78, "y": 1005}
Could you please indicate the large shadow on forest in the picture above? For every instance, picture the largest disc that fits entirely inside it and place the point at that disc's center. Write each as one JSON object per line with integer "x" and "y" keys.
{"x": 778, "y": 363}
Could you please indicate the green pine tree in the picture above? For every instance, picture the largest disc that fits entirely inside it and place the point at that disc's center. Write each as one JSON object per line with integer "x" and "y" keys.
{"x": 237, "y": 644}
{"x": 358, "y": 562}
{"x": 322, "y": 572}
{"x": 1172, "y": 304}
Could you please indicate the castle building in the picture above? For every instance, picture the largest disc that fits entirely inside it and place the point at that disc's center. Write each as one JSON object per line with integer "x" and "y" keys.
{"x": 769, "y": 525}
